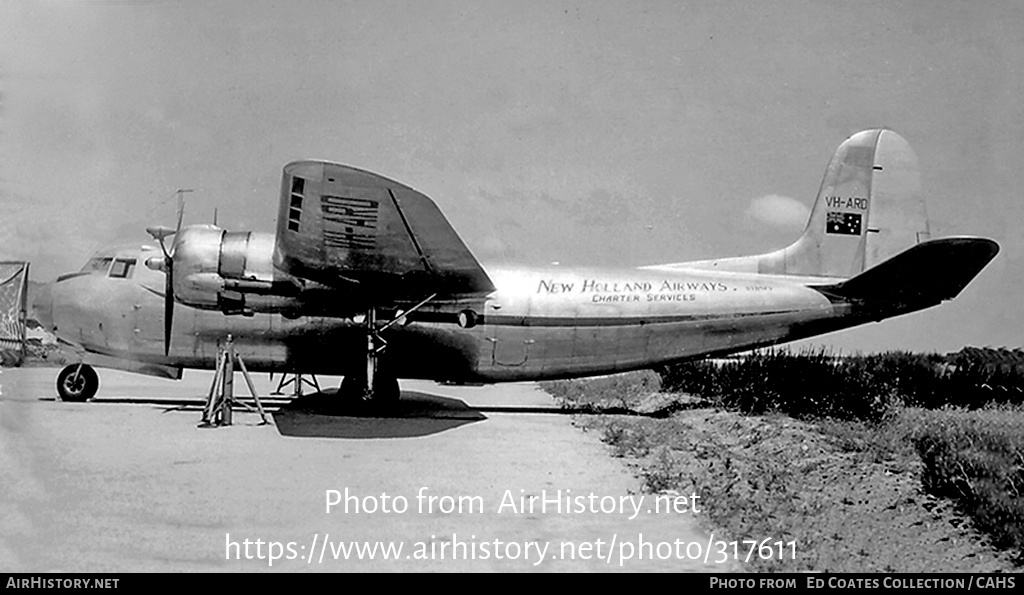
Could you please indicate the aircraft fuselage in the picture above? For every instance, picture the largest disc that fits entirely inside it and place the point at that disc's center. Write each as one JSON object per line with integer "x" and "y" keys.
{"x": 554, "y": 322}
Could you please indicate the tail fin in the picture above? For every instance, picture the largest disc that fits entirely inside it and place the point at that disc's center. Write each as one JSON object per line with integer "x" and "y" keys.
{"x": 869, "y": 208}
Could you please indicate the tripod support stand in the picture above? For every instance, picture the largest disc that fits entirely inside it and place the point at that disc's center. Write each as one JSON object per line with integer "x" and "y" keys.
{"x": 218, "y": 409}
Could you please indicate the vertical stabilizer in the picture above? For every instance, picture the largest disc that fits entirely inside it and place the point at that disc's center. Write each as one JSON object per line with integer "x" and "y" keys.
{"x": 833, "y": 242}
{"x": 869, "y": 208}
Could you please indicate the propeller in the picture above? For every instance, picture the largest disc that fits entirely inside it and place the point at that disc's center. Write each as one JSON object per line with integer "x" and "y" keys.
{"x": 160, "y": 234}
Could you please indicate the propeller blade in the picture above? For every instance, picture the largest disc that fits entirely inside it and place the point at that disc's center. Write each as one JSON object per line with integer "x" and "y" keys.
{"x": 168, "y": 305}
{"x": 160, "y": 234}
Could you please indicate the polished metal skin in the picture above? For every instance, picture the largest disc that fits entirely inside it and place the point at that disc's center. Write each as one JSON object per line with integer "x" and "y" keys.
{"x": 297, "y": 300}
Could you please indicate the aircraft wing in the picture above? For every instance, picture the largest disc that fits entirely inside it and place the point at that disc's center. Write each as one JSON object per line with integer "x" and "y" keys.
{"x": 349, "y": 228}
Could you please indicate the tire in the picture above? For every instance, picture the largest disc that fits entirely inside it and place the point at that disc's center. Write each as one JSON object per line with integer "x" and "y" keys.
{"x": 351, "y": 387}
{"x": 77, "y": 383}
{"x": 385, "y": 388}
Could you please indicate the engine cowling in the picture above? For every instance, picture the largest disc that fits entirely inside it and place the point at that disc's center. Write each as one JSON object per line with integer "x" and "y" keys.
{"x": 215, "y": 269}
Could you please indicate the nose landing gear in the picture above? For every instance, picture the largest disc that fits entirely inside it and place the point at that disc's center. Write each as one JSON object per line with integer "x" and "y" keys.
{"x": 77, "y": 383}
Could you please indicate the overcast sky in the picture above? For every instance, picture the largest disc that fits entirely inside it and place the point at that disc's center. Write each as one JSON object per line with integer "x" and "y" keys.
{"x": 591, "y": 133}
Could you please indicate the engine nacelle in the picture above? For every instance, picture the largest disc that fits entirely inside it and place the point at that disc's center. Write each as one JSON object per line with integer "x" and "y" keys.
{"x": 233, "y": 272}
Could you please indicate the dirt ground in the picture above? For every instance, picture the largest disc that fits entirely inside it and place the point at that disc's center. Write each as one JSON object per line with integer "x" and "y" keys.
{"x": 128, "y": 482}
{"x": 847, "y": 506}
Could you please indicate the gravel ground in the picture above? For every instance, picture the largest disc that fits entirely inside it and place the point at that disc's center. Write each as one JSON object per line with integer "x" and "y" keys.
{"x": 129, "y": 483}
{"x": 847, "y": 506}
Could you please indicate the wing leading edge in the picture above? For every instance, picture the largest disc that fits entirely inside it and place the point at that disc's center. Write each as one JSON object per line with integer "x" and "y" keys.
{"x": 353, "y": 229}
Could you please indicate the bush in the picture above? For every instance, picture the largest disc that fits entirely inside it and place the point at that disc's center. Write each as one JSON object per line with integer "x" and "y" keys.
{"x": 861, "y": 387}
{"x": 981, "y": 376}
{"x": 813, "y": 384}
{"x": 976, "y": 458}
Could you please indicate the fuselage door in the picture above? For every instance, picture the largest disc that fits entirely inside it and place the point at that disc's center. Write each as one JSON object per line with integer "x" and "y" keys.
{"x": 507, "y": 330}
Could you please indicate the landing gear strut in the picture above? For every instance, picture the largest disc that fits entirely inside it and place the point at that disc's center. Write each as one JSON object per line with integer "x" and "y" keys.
{"x": 369, "y": 382}
{"x": 77, "y": 383}
{"x": 372, "y": 383}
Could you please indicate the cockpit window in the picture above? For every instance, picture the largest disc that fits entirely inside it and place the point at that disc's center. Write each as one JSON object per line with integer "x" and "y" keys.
{"x": 100, "y": 264}
{"x": 122, "y": 268}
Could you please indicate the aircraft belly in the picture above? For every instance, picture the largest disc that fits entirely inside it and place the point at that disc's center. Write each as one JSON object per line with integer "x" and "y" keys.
{"x": 554, "y": 347}
{"x": 596, "y": 345}
{"x": 436, "y": 351}
{"x": 679, "y": 339}
{"x": 634, "y": 343}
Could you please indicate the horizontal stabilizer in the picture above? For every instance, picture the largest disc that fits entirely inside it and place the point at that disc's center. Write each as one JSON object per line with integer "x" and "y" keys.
{"x": 925, "y": 274}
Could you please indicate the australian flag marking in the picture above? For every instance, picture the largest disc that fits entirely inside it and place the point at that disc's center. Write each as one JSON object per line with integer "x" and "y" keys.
{"x": 848, "y": 224}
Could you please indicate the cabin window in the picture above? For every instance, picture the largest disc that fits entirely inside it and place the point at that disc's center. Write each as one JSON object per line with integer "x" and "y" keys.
{"x": 99, "y": 264}
{"x": 122, "y": 268}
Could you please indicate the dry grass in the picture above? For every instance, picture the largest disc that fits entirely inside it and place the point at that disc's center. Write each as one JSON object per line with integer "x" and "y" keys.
{"x": 871, "y": 493}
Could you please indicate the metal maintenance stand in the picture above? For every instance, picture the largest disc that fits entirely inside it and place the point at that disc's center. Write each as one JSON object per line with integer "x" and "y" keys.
{"x": 297, "y": 380}
{"x": 218, "y": 410}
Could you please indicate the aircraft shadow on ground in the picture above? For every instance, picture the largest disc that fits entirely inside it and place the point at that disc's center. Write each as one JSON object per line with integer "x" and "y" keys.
{"x": 324, "y": 415}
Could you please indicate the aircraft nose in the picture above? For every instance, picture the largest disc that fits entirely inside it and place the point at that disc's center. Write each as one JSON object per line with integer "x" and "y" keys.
{"x": 42, "y": 306}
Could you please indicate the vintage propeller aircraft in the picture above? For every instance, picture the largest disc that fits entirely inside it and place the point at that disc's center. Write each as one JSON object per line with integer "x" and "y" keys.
{"x": 365, "y": 278}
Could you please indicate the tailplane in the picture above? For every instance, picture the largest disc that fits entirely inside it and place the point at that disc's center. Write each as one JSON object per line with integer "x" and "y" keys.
{"x": 920, "y": 276}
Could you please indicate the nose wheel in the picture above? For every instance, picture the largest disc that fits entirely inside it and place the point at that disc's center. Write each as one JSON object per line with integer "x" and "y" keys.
{"x": 77, "y": 383}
